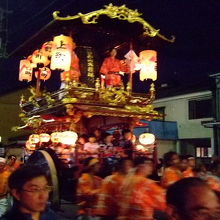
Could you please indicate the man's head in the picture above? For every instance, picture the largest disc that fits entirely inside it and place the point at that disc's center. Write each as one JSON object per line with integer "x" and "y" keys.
{"x": 108, "y": 138}
{"x": 30, "y": 189}
{"x": 191, "y": 161}
{"x": 124, "y": 165}
{"x": 2, "y": 163}
{"x": 92, "y": 138}
{"x": 11, "y": 160}
{"x": 127, "y": 134}
{"x": 171, "y": 159}
{"x": 192, "y": 199}
{"x": 144, "y": 166}
{"x": 183, "y": 165}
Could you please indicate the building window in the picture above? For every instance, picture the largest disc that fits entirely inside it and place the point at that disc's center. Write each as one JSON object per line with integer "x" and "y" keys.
{"x": 161, "y": 110}
{"x": 200, "y": 109}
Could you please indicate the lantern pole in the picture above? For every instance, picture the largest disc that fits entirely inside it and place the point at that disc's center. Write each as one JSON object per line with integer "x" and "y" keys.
{"x": 38, "y": 84}
{"x": 130, "y": 72}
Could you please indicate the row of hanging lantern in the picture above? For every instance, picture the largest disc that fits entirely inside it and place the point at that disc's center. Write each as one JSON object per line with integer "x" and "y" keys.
{"x": 65, "y": 137}
{"x": 57, "y": 53}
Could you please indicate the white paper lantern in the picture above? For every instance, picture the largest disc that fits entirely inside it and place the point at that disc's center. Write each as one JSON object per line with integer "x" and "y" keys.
{"x": 69, "y": 137}
{"x": 147, "y": 138}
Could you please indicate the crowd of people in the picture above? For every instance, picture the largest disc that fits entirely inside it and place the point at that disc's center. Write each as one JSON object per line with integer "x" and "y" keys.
{"x": 137, "y": 189}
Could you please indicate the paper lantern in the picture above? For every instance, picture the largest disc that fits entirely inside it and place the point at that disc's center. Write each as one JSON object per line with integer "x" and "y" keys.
{"x": 44, "y": 137}
{"x": 33, "y": 65}
{"x": 148, "y": 60}
{"x": 39, "y": 58}
{"x": 61, "y": 59}
{"x": 44, "y": 72}
{"x": 140, "y": 147}
{"x": 34, "y": 138}
{"x": 47, "y": 48}
{"x": 146, "y": 138}
{"x": 30, "y": 146}
{"x": 25, "y": 70}
{"x": 69, "y": 137}
{"x": 56, "y": 137}
{"x": 62, "y": 41}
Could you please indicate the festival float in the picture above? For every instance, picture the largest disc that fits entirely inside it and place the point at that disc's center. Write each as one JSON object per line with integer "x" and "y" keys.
{"x": 90, "y": 88}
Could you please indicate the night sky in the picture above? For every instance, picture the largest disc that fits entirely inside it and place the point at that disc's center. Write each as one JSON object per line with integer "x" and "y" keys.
{"x": 187, "y": 62}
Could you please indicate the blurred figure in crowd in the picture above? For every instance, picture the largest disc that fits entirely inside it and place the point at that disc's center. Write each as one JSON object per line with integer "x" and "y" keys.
{"x": 141, "y": 196}
{"x": 88, "y": 189}
{"x": 183, "y": 165}
{"x": 172, "y": 171}
{"x": 30, "y": 188}
{"x": 192, "y": 199}
{"x": 13, "y": 162}
{"x": 107, "y": 140}
{"x": 108, "y": 206}
{"x": 5, "y": 172}
{"x": 189, "y": 172}
{"x": 98, "y": 134}
{"x": 116, "y": 138}
{"x": 213, "y": 178}
{"x": 127, "y": 142}
{"x": 91, "y": 146}
{"x": 201, "y": 171}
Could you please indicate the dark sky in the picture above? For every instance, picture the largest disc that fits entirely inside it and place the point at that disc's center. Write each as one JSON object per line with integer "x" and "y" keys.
{"x": 189, "y": 61}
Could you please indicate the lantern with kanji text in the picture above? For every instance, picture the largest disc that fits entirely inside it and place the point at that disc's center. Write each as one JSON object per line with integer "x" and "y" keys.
{"x": 34, "y": 138}
{"x": 47, "y": 48}
{"x": 44, "y": 73}
{"x": 25, "y": 70}
{"x": 39, "y": 58}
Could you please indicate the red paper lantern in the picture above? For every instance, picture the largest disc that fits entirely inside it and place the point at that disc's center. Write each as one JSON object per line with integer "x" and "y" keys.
{"x": 25, "y": 70}
{"x": 47, "y": 48}
{"x": 44, "y": 72}
{"x": 148, "y": 60}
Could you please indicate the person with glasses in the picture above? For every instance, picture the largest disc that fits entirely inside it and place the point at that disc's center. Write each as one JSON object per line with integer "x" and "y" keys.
{"x": 192, "y": 199}
{"x": 29, "y": 186}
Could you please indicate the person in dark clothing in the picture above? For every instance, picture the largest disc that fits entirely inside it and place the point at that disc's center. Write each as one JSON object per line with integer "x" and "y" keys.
{"x": 29, "y": 186}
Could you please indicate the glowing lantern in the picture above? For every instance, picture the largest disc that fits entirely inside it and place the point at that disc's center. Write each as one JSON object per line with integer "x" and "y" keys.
{"x": 44, "y": 137}
{"x": 34, "y": 138}
{"x": 140, "y": 148}
{"x": 39, "y": 58}
{"x": 61, "y": 59}
{"x": 69, "y": 137}
{"x": 62, "y": 56}
{"x": 62, "y": 41}
{"x": 25, "y": 70}
{"x": 56, "y": 137}
{"x": 148, "y": 60}
{"x": 44, "y": 72}
{"x": 30, "y": 146}
{"x": 33, "y": 65}
{"x": 146, "y": 138}
{"x": 47, "y": 48}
